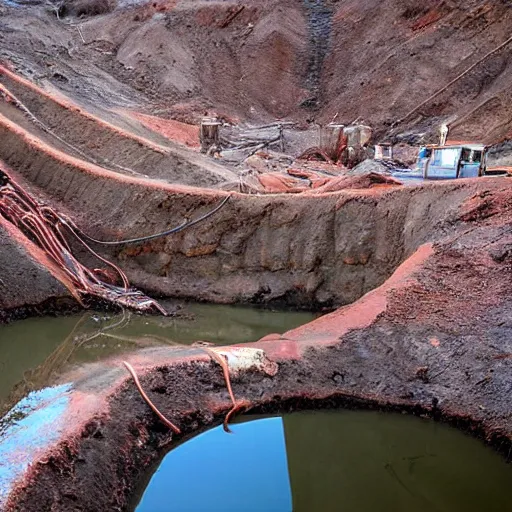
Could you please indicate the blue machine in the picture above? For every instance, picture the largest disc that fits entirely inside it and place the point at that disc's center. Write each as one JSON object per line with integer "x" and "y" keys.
{"x": 450, "y": 162}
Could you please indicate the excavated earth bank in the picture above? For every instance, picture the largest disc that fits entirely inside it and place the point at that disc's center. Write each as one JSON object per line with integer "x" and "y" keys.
{"x": 429, "y": 267}
{"x": 304, "y": 250}
{"x": 29, "y": 284}
{"x": 357, "y": 59}
{"x": 433, "y": 339}
{"x": 308, "y": 250}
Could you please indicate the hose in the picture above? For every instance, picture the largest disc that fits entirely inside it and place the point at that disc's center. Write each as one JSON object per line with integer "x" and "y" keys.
{"x": 176, "y": 229}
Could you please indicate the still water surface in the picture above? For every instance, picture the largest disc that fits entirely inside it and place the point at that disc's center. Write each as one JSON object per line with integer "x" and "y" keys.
{"x": 34, "y": 351}
{"x": 334, "y": 461}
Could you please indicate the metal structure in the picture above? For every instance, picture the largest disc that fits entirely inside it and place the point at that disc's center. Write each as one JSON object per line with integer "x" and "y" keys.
{"x": 345, "y": 145}
{"x": 209, "y": 133}
{"x": 453, "y": 161}
{"x": 383, "y": 151}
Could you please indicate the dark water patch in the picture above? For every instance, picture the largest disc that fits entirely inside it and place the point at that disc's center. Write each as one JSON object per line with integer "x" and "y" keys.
{"x": 330, "y": 461}
{"x": 33, "y": 352}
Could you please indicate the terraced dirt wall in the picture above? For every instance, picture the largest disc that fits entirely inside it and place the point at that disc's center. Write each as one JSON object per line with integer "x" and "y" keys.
{"x": 106, "y": 144}
{"x": 30, "y": 284}
{"x": 303, "y": 250}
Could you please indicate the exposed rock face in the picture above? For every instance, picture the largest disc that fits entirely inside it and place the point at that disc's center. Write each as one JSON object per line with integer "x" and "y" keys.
{"x": 307, "y": 251}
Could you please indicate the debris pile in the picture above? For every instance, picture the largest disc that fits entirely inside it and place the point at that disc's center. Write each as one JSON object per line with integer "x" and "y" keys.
{"x": 384, "y": 167}
{"x": 239, "y": 142}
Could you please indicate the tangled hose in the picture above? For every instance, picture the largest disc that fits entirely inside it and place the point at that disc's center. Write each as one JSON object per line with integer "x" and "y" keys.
{"x": 42, "y": 225}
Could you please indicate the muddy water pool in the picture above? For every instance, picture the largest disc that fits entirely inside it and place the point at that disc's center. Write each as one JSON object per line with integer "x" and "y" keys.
{"x": 34, "y": 351}
{"x": 330, "y": 461}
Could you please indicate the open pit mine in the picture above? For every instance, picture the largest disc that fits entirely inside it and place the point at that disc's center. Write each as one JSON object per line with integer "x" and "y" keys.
{"x": 255, "y": 256}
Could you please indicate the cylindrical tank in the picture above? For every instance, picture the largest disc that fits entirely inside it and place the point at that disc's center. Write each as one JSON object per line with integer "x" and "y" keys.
{"x": 209, "y": 133}
{"x": 329, "y": 137}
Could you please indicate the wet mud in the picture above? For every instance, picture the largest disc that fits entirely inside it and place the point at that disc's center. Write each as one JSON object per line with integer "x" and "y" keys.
{"x": 420, "y": 276}
{"x": 100, "y": 468}
{"x": 401, "y": 347}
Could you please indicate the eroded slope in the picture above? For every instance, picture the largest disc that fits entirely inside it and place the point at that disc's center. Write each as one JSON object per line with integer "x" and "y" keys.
{"x": 375, "y": 61}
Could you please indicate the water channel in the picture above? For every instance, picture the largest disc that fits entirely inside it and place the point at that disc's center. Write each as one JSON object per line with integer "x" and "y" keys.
{"x": 36, "y": 350}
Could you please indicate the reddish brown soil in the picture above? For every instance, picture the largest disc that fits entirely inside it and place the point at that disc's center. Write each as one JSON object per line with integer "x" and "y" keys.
{"x": 367, "y": 181}
{"x": 309, "y": 250}
{"x": 358, "y": 59}
{"x": 109, "y": 141}
{"x": 429, "y": 266}
{"x": 383, "y": 351}
{"x": 183, "y": 133}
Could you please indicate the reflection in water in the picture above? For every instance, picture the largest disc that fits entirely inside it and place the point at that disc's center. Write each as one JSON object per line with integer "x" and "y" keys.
{"x": 386, "y": 462}
{"x": 215, "y": 471}
{"x": 80, "y": 335}
{"x": 333, "y": 461}
{"x": 34, "y": 351}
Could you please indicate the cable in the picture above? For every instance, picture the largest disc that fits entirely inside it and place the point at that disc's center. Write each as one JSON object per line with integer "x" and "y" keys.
{"x": 456, "y": 79}
{"x": 177, "y": 229}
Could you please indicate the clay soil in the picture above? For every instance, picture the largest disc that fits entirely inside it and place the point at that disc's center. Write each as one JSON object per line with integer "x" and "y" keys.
{"x": 420, "y": 275}
{"x": 301, "y": 61}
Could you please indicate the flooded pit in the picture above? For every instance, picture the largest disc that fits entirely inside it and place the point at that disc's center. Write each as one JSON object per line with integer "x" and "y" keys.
{"x": 330, "y": 461}
{"x": 34, "y": 351}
